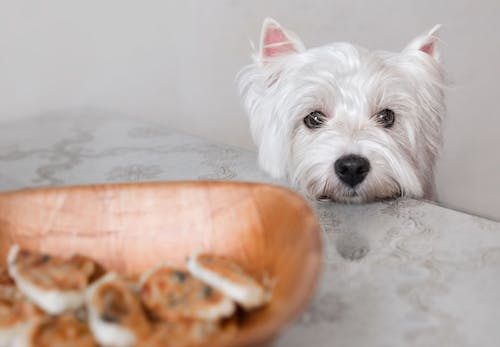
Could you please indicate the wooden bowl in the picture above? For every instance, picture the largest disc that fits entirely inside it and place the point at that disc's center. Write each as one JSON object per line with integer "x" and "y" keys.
{"x": 128, "y": 228}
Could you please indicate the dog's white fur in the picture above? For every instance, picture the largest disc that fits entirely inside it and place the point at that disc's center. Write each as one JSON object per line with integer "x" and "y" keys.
{"x": 350, "y": 85}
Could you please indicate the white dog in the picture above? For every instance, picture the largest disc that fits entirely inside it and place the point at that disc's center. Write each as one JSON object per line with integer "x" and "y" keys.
{"x": 344, "y": 123}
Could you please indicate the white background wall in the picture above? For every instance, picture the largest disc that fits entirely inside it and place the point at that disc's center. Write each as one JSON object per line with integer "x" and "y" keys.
{"x": 176, "y": 61}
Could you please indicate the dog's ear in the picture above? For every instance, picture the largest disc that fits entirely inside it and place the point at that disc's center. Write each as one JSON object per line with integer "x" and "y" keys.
{"x": 426, "y": 43}
{"x": 269, "y": 130}
{"x": 276, "y": 41}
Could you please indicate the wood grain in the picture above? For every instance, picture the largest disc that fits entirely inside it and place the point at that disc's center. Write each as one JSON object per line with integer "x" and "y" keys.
{"x": 130, "y": 227}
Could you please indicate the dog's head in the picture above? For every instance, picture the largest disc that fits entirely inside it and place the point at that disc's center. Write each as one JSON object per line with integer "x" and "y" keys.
{"x": 342, "y": 122}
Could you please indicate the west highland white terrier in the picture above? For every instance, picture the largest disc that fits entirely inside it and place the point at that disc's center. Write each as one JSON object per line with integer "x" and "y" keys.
{"x": 344, "y": 123}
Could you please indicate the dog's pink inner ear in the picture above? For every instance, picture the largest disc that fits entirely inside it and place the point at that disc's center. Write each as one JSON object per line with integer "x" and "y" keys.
{"x": 427, "y": 43}
{"x": 428, "y": 48}
{"x": 276, "y": 43}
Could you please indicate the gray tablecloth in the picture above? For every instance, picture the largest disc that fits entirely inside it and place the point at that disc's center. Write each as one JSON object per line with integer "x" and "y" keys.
{"x": 402, "y": 273}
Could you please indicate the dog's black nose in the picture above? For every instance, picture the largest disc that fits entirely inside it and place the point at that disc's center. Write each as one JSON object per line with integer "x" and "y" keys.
{"x": 352, "y": 169}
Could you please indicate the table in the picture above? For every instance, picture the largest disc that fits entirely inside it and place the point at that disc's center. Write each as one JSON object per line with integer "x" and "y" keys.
{"x": 400, "y": 273}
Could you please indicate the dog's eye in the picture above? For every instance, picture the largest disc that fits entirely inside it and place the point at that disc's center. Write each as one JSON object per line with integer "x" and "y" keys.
{"x": 386, "y": 118}
{"x": 314, "y": 120}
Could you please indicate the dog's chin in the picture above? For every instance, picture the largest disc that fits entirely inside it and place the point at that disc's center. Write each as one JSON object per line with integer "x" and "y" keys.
{"x": 356, "y": 199}
{"x": 355, "y": 196}
{"x": 343, "y": 199}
